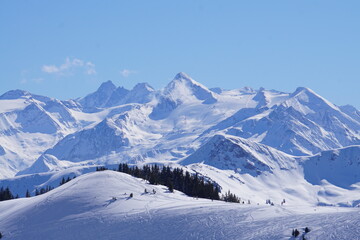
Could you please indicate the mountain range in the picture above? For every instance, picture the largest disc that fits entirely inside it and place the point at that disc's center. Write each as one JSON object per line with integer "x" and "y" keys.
{"x": 259, "y": 144}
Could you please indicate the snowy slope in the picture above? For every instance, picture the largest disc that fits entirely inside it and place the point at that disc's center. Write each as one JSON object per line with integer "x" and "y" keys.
{"x": 257, "y": 172}
{"x": 340, "y": 167}
{"x": 305, "y": 123}
{"x": 20, "y": 184}
{"x": 30, "y": 124}
{"x": 85, "y": 208}
{"x": 240, "y": 155}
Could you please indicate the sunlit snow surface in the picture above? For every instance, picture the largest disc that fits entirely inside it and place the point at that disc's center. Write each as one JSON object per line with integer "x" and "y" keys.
{"x": 259, "y": 144}
{"x": 98, "y": 206}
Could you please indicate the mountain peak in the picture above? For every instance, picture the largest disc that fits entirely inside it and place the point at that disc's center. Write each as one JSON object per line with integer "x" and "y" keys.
{"x": 108, "y": 85}
{"x": 141, "y": 86}
{"x": 182, "y": 75}
{"x": 15, "y": 94}
{"x": 302, "y": 89}
{"x": 100, "y": 97}
{"x": 182, "y": 86}
{"x": 306, "y": 96}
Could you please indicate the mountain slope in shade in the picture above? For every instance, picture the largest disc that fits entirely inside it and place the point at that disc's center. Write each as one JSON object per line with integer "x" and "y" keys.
{"x": 108, "y": 95}
{"x": 351, "y": 111}
{"x": 340, "y": 167}
{"x": 90, "y": 143}
{"x": 240, "y": 155}
{"x": 100, "y": 97}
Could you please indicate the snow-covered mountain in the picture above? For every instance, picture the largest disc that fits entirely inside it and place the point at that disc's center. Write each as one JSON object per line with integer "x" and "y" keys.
{"x": 245, "y": 133}
{"x": 240, "y": 155}
{"x": 108, "y": 95}
{"x": 305, "y": 123}
{"x": 30, "y": 124}
{"x": 259, "y": 144}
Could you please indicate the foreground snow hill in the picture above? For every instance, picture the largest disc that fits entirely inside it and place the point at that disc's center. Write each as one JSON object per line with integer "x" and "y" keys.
{"x": 98, "y": 206}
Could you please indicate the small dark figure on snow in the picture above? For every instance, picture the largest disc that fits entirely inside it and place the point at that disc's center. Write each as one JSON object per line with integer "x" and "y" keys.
{"x": 295, "y": 232}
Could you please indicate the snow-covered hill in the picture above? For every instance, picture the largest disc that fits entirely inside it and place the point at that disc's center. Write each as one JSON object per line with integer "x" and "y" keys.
{"x": 98, "y": 206}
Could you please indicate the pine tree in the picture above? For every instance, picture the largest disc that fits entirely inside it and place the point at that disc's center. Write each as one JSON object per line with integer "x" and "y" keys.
{"x": 171, "y": 187}
{"x": 62, "y": 181}
{"x": 1, "y": 235}
{"x": 27, "y": 194}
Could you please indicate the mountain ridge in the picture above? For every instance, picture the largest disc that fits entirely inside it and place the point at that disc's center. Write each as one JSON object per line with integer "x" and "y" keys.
{"x": 250, "y": 135}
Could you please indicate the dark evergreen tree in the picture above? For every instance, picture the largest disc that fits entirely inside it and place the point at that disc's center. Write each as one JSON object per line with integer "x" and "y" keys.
{"x": 171, "y": 187}
{"x": 5, "y": 194}
{"x": 63, "y": 181}
{"x": 27, "y": 194}
{"x": 192, "y": 185}
{"x": 230, "y": 197}
{"x": 101, "y": 169}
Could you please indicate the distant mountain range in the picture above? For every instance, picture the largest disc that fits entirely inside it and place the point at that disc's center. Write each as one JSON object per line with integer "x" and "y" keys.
{"x": 244, "y": 139}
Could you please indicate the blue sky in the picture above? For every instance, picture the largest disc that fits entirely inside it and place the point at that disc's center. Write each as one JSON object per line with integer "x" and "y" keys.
{"x": 65, "y": 49}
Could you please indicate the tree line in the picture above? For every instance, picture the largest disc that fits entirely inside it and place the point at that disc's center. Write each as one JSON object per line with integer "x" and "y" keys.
{"x": 192, "y": 185}
{"x": 5, "y": 194}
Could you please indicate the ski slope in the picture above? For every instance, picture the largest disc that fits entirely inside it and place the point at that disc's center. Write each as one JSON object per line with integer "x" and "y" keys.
{"x": 97, "y": 206}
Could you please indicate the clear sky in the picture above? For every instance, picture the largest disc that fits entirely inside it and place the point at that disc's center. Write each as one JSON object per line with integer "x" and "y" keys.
{"x": 65, "y": 49}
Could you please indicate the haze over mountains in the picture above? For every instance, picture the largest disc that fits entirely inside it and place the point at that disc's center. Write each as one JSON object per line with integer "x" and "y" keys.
{"x": 297, "y": 144}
